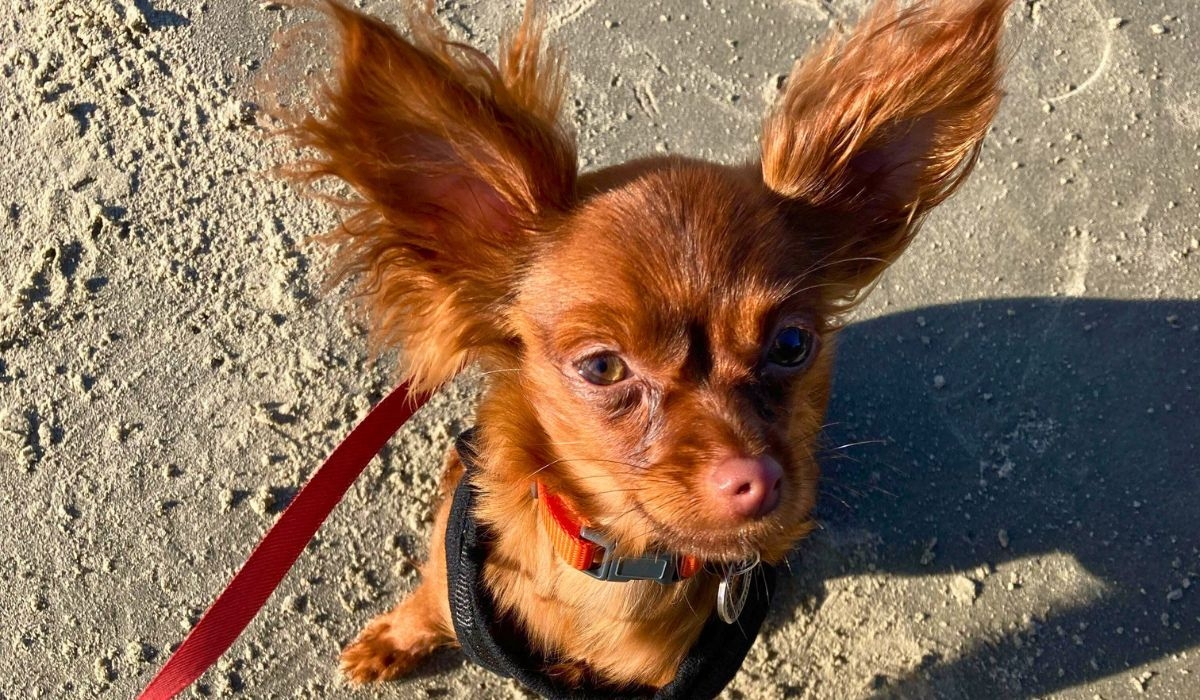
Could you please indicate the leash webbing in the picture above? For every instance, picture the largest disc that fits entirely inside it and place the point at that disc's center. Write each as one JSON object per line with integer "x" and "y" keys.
{"x": 277, "y": 552}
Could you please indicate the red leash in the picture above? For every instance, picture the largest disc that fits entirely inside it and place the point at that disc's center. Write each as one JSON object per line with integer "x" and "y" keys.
{"x": 273, "y": 557}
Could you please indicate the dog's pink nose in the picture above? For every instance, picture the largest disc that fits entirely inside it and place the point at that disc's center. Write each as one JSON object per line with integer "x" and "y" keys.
{"x": 748, "y": 486}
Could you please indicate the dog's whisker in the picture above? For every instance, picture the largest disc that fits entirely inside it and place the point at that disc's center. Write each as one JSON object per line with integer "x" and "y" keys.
{"x": 490, "y": 372}
{"x": 839, "y": 500}
{"x": 858, "y": 444}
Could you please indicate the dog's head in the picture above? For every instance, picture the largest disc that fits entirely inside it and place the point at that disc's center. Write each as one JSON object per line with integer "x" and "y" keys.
{"x": 668, "y": 323}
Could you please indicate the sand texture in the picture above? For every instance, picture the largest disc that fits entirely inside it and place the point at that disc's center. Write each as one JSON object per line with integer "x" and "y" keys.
{"x": 1011, "y": 505}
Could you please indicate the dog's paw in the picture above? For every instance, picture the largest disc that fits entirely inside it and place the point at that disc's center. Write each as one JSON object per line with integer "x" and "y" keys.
{"x": 377, "y": 656}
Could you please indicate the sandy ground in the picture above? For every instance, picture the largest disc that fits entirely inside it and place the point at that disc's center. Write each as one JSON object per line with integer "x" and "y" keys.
{"x": 1021, "y": 518}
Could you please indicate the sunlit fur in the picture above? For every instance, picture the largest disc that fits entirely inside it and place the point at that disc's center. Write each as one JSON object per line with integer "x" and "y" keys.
{"x": 475, "y": 241}
{"x": 898, "y": 110}
{"x": 457, "y": 161}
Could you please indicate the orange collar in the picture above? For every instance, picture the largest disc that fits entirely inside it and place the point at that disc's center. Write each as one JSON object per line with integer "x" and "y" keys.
{"x": 586, "y": 549}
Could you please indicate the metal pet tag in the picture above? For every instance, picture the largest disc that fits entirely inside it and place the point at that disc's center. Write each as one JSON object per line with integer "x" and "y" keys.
{"x": 733, "y": 591}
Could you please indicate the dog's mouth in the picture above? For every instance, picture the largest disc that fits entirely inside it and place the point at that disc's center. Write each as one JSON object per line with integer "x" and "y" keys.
{"x": 768, "y": 540}
{"x": 699, "y": 518}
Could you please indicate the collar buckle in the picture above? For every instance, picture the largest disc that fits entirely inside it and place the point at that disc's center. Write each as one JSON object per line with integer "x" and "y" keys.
{"x": 663, "y": 568}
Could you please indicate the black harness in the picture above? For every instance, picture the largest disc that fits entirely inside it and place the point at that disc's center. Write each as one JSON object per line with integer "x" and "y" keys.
{"x": 501, "y": 647}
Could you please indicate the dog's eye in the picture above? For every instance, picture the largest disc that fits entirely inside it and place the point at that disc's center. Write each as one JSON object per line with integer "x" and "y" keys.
{"x": 791, "y": 347}
{"x": 603, "y": 369}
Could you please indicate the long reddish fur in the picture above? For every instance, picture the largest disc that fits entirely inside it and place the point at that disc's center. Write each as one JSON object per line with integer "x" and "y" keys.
{"x": 474, "y": 240}
{"x": 404, "y": 124}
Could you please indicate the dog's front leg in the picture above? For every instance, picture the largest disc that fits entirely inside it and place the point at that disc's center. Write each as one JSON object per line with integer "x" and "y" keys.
{"x": 394, "y": 643}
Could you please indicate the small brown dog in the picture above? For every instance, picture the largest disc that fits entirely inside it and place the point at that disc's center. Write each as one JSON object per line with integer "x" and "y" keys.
{"x": 657, "y": 336}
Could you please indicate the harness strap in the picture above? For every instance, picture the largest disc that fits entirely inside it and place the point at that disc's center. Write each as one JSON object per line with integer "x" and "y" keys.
{"x": 499, "y": 645}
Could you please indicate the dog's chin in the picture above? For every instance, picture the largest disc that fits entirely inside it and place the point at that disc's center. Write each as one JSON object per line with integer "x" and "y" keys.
{"x": 756, "y": 543}
{"x": 768, "y": 540}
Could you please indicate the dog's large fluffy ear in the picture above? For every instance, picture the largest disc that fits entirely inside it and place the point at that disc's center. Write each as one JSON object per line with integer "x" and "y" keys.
{"x": 457, "y": 164}
{"x": 878, "y": 127}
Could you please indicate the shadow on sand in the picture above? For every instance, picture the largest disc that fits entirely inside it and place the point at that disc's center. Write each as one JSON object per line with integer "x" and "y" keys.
{"x": 1071, "y": 425}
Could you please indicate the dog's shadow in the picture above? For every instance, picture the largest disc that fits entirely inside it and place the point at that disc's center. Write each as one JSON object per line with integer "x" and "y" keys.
{"x": 1022, "y": 434}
